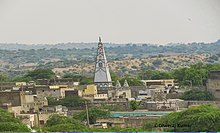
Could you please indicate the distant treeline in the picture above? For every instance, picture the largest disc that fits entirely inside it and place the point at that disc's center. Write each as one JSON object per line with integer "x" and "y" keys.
{"x": 33, "y": 53}
{"x": 127, "y": 48}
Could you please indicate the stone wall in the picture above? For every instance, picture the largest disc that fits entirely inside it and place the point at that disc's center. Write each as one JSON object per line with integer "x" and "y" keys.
{"x": 11, "y": 98}
{"x": 213, "y": 84}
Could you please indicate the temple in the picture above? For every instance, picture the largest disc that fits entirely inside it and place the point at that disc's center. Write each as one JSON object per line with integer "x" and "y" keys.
{"x": 102, "y": 76}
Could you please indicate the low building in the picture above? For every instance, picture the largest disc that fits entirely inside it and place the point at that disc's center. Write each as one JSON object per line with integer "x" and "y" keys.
{"x": 56, "y": 91}
{"x": 169, "y": 105}
{"x": 90, "y": 90}
{"x": 126, "y": 122}
{"x": 21, "y": 101}
{"x": 73, "y": 92}
{"x": 100, "y": 97}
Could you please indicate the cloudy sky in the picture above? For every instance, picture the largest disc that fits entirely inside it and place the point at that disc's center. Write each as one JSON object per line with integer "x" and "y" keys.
{"x": 116, "y": 21}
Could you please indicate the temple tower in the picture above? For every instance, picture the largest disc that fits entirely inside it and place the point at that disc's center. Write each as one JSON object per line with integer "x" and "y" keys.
{"x": 102, "y": 76}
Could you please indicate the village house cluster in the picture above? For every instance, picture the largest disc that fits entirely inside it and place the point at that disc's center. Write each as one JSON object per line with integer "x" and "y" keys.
{"x": 28, "y": 101}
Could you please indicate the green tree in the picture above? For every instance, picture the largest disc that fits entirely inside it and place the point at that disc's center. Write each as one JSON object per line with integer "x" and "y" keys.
{"x": 94, "y": 113}
{"x": 197, "y": 74}
{"x": 155, "y": 75}
{"x": 7, "y": 117}
{"x": 10, "y": 124}
{"x": 58, "y": 123}
{"x": 22, "y": 79}
{"x": 3, "y": 77}
{"x": 84, "y": 80}
{"x": 197, "y": 95}
{"x": 205, "y": 117}
{"x": 70, "y": 101}
{"x": 134, "y": 104}
{"x": 13, "y": 127}
{"x": 41, "y": 74}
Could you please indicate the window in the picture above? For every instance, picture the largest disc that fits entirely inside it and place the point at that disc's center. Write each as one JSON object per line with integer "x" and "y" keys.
{"x": 42, "y": 90}
{"x": 100, "y": 64}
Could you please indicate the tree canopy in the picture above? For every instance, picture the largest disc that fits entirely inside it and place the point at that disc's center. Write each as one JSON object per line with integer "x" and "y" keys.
{"x": 94, "y": 113}
{"x": 134, "y": 104}
{"x": 35, "y": 74}
{"x": 10, "y": 124}
{"x": 41, "y": 74}
{"x": 84, "y": 80}
{"x": 58, "y": 123}
{"x": 195, "y": 75}
{"x": 69, "y": 101}
{"x": 197, "y": 95}
{"x": 205, "y": 117}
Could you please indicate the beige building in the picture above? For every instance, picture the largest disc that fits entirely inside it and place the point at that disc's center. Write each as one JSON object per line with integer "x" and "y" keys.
{"x": 169, "y": 105}
{"x": 164, "y": 83}
{"x": 56, "y": 91}
{"x": 90, "y": 90}
{"x": 213, "y": 83}
{"x": 19, "y": 101}
{"x": 100, "y": 96}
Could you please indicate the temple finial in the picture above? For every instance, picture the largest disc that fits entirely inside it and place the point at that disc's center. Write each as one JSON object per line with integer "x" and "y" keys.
{"x": 100, "y": 39}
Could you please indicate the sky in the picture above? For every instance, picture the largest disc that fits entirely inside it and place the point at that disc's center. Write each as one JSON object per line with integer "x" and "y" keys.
{"x": 116, "y": 21}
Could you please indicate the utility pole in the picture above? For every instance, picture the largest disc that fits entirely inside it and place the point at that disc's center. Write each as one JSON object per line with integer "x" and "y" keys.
{"x": 87, "y": 113}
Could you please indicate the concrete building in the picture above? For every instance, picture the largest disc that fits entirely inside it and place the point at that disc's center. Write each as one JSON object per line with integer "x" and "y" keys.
{"x": 56, "y": 91}
{"x": 19, "y": 101}
{"x": 164, "y": 83}
{"x": 169, "y": 105}
{"x": 100, "y": 97}
{"x": 90, "y": 90}
{"x": 213, "y": 83}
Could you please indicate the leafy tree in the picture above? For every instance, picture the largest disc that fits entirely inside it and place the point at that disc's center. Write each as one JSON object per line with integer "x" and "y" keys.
{"x": 84, "y": 80}
{"x": 155, "y": 75}
{"x": 13, "y": 127}
{"x": 197, "y": 73}
{"x": 197, "y": 95}
{"x": 205, "y": 117}
{"x": 7, "y": 117}
{"x": 10, "y": 124}
{"x": 22, "y": 79}
{"x": 76, "y": 77}
{"x": 114, "y": 77}
{"x": 70, "y": 101}
{"x": 64, "y": 128}
{"x": 41, "y": 74}
{"x": 3, "y": 77}
{"x": 58, "y": 123}
{"x": 94, "y": 113}
{"x": 134, "y": 104}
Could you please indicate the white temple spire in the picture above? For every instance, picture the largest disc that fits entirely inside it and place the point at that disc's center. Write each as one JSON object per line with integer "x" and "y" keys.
{"x": 118, "y": 84}
{"x": 126, "y": 84}
{"x": 102, "y": 75}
